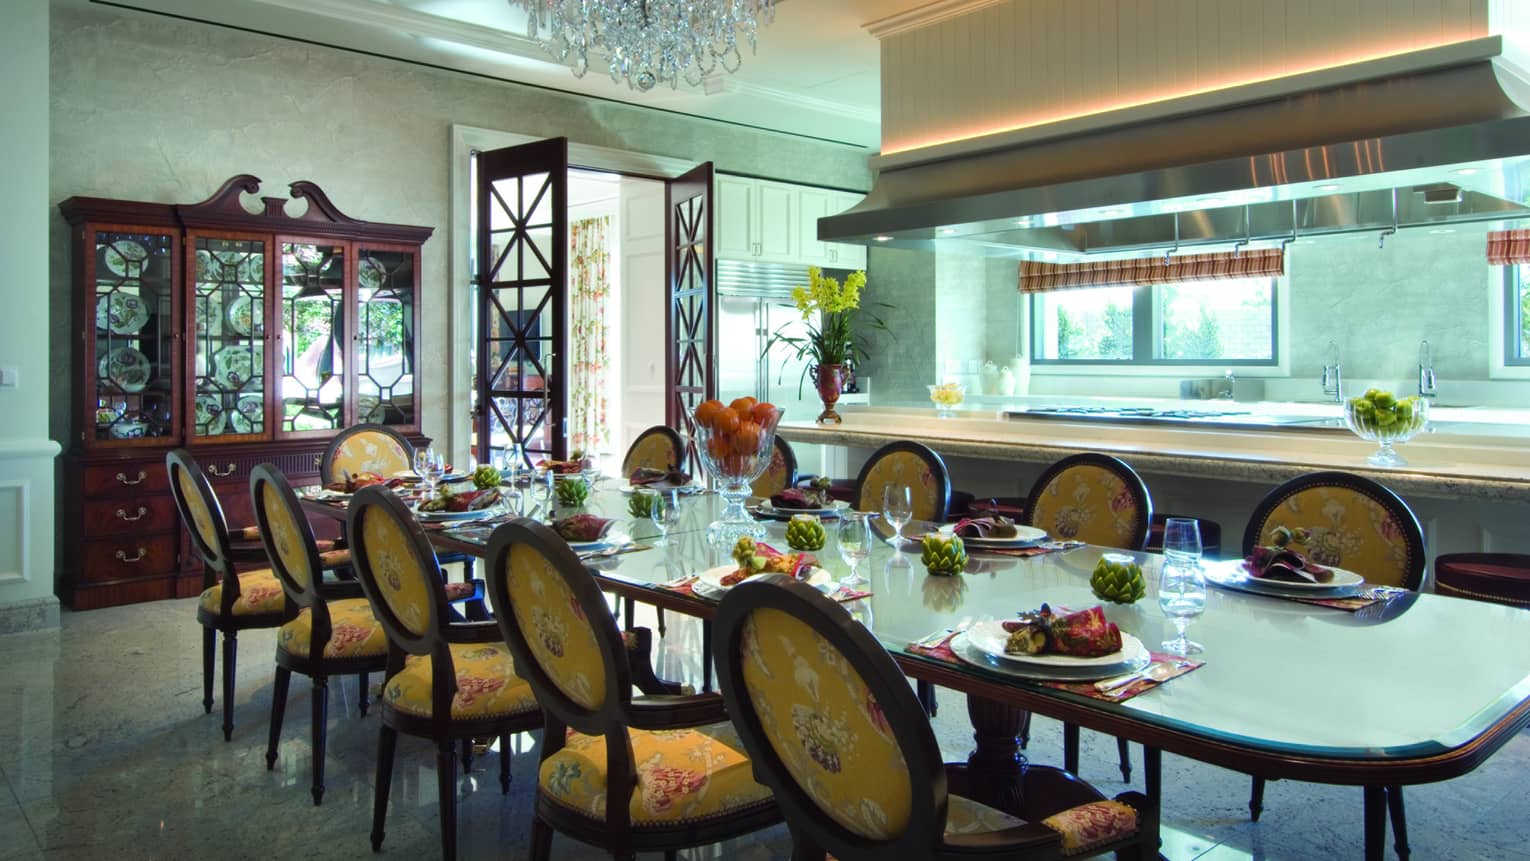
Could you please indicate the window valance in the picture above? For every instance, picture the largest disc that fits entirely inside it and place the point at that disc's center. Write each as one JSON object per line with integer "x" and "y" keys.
{"x": 1039, "y": 277}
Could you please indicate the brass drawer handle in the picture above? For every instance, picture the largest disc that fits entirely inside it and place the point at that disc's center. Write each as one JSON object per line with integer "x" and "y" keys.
{"x": 132, "y": 517}
{"x": 123, "y": 557}
{"x": 318, "y": 459}
{"x": 130, "y": 481}
{"x": 225, "y": 474}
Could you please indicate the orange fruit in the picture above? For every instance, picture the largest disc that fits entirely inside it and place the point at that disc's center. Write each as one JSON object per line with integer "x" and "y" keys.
{"x": 747, "y": 440}
{"x": 719, "y": 447}
{"x": 763, "y": 413}
{"x": 725, "y": 421}
{"x": 743, "y": 405}
{"x": 706, "y": 412}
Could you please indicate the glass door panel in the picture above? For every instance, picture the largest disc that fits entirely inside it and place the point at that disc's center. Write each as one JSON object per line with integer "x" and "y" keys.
{"x": 229, "y": 330}
{"x": 385, "y": 350}
{"x": 692, "y": 378}
{"x": 313, "y": 337}
{"x": 134, "y": 329}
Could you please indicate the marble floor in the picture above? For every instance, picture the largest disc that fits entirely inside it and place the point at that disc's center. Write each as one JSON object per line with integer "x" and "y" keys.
{"x": 105, "y": 753}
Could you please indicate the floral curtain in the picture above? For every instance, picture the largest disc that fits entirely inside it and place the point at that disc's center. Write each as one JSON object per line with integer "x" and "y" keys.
{"x": 589, "y": 290}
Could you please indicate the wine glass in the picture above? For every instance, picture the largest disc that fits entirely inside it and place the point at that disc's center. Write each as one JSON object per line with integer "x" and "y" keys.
{"x": 1181, "y": 586}
{"x": 431, "y": 467}
{"x": 665, "y": 514}
{"x": 510, "y": 458}
{"x": 854, "y": 538}
{"x": 1182, "y": 541}
{"x": 898, "y": 509}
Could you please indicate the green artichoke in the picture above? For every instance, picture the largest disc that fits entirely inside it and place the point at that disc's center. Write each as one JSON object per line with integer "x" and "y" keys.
{"x": 1117, "y": 579}
{"x": 944, "y": 555}
{"x": 641, "y": 505}
{"x": 485, "y": 477}
{"x": 805, "y": 532}
{"x": 572, "y": 492}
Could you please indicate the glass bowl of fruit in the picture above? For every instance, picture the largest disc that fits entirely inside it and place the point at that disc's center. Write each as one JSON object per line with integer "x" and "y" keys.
{"x": 946, "y": 397}
{"x": 735, "y": 442}
{"x": 1380, "y": 417}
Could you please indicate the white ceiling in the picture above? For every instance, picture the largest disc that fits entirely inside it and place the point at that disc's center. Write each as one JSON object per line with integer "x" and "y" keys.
{"x": 816, "y": 71}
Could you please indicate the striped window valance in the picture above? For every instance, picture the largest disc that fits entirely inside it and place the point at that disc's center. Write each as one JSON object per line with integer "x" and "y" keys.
{"x": 1038, "y": 277}
{"x": 1508, "y": 246}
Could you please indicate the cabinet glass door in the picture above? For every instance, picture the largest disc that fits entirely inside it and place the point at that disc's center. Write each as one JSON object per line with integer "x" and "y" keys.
{"x": 312, "y": 333}
{"x": 385, "y": 326}
{"x": 134, "y": 330}
{"x": 229, "y": 331}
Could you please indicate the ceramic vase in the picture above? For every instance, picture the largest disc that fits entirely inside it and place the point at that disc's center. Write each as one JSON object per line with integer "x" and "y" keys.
{"x": 830, "y": 380}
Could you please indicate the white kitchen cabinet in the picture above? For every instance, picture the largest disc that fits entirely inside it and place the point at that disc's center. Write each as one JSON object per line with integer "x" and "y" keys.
{"x": 777, "y": 222}
{"x": 813, "y": 204}
{"x": 737, "y": 222}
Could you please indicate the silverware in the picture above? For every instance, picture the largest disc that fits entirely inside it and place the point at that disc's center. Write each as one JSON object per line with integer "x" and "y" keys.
{"x": 935, "y": 638}
{"x": 1158, "y": 671}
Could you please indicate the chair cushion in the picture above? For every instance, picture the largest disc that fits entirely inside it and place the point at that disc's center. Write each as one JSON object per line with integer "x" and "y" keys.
{"x": 259, "y": 593}
{"x": 965, "y": 816}
{"x": 1500, "y": 577}
{"x": 683, "y": 775}
{"x": 487, "y": 685}
{"x": 354, "y": 631}
{"x": 1093, "y": 824}
{"x": 329, "y": 559}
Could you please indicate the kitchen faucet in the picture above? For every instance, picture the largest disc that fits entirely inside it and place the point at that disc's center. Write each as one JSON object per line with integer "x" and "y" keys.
{"x": 1333, "y": 377}
{"x": 1426, "y": 387}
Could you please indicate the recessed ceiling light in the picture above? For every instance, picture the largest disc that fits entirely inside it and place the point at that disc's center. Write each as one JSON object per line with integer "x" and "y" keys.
{"x": 949, "y": 231}
{"x": 884, "y": 238}
{"x": 1328, "y": 186}
{"x": 1464, "y": 171}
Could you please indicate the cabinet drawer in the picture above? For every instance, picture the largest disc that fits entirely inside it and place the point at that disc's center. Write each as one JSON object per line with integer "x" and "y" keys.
{"x": 128, "y": 556}
{"x": 130, "y": 477}
{"x": 138, "y": 515}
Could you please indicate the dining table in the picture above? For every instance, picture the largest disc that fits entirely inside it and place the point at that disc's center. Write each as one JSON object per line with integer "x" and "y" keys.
{"x": 1412, "y": 688}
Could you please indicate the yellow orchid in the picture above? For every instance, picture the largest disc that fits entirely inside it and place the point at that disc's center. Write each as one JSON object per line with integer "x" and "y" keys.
{"x": 828, "y": 342}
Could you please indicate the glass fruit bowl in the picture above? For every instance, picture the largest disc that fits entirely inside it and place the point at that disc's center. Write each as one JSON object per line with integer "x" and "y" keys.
{"x": 735, "y": 443}
{"x": 1380, "y": 417}
{"x": 946, "y": 397}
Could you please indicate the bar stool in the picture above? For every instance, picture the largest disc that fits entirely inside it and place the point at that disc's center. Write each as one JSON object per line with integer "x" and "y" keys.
{"x": 1502, "y": 578}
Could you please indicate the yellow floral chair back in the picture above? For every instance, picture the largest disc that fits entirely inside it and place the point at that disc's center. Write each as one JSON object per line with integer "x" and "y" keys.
{"x": 287, "y": 535}
{"x": 198, "y": 513}
{"x": 556, "y": 628}
{"x": 1093, "y": 498}
{"x": 397, "y": 569}
{"x": 780, "y": 474}
{"x": 1347, "y": 522}
{"x": 658, "y": 447}
{"x": 910, "y": 464}
{"x": 366, "y": 448}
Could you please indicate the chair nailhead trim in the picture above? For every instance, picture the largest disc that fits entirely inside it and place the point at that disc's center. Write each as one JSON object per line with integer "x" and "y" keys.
{"x": 1497, "y": 599}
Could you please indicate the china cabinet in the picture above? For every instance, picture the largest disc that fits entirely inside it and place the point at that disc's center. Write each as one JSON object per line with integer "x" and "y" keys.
{"x": 249, "y": 337}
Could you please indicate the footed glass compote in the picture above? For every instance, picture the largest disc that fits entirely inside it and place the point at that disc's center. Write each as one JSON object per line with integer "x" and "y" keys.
{"x": 735, "y": 451}
{"x": 1379, "y": 417}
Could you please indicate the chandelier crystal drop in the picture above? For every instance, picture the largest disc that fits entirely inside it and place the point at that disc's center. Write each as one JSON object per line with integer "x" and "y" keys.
{"x": 648, "y": 42}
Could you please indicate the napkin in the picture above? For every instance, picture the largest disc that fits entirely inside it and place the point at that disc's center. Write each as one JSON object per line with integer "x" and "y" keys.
{"x": 800, "y": 497}
{"x": 1276, "y": 563}
{"x": 988, "y": 526}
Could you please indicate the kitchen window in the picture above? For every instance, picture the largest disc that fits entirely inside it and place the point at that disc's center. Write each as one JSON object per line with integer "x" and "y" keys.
{"x": 1516, "y": 315}
{"x": 1224, "y": 322}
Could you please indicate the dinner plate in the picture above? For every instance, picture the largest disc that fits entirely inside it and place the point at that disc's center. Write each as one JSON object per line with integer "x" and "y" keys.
{"x": 126, "y": 368}
{"x": 610, "y": 539}
{"x": 121, "y": 313}
{"x": 763, "y": 508}
{"x": 964, "y": 649}
{"x": 990, "y": 637}
{"x": 709, "y": 582}
{"x": 450, "y": 516}
{"x": 1024, "y": 537}
{"x": 1231, "y": 574}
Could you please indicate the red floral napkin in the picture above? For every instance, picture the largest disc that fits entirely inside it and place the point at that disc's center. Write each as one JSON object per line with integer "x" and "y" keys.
{"x": 1178, "y": 666}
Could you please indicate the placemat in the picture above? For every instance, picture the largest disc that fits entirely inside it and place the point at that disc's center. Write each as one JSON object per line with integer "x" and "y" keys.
{"x": 940, "y": 650}
{"x": 685, "y": 586}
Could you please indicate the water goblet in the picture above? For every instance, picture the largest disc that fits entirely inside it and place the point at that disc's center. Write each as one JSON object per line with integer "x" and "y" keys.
{"x": 1182, "y": 541}
{"x": 665, "y": 514}
{"x": 898, "y": 509}
{"x": 1182, "y": 597}
{"x": 854, "y": 538}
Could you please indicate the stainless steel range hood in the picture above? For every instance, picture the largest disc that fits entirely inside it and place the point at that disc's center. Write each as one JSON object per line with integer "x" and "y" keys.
{"x": 1420, "y": 144}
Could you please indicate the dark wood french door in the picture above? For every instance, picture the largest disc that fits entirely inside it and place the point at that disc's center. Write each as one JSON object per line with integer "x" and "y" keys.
{"x": 689, "y": 326}
{"x": 522, "y": 278}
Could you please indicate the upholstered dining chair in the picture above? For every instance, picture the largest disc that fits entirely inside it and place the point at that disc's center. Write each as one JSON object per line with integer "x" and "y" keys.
{"x": 658, "y": 447}
{"x": 334, "y": 632}
{"x": 907, "y": 463}
{"x": 621, "y": 773}
{"x": 366, "y": 448}
{"x": 832, "y": 728}
{"x": 446, "y": 681}
{"x": 1099, "y": 499}
{"x": 231, "y": 600}
{"x": 780, "y": 474}
{"x": 1354, "y": 523}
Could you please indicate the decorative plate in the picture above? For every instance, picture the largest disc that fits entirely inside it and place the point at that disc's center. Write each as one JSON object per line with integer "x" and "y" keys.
{"x": 240, "y": 315}
{"x": 121, "y": 313}
{"x": 208, "y": 323}
{"x": 209, "y": 414}
{"x": 234, "y": 365}
{"x": 248, "y": 414}
{"x": 300, "y": 260}
{"x": 125, "y": 257}
{"x": 125, "y": 368}
{"x": 205, "y": 270}
{"x": 371, "y": 274}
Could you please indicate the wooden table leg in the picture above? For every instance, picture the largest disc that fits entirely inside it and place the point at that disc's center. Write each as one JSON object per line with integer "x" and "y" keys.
{"x": 996, "y": 767}
{"x": 1375, "y": 823}
{"x": 1152, "y": 774}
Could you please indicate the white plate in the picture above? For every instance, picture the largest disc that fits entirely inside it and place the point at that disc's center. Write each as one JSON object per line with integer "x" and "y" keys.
{"x": 125, "y": 257}
{"x": 765, "y": 509}
{"x": 1232, "y": 574}
{"x": 709, "y": 582}
{"x": 990, "y": 637}
{"x": 610, "y": 539}
{"x": 964, "y": 649}
{"x": 126, "y": 368}
{"x": 121, "y": 313}
{"x": 446, "y": 516}
{"x": 1025, "y": 536}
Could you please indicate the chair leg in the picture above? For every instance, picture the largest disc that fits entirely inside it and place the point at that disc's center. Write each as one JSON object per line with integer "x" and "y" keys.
{"x": 925, "y": 692}
{"x": 209, "y": 649}
{"x": 1399, "y": 822}
{"x": 230, "y": 651}
{"x": 1124, "y": 749}
{"x": 1070, "y": 748}
{"x": 541, "y": 840}
{"x": 278, "y": 711}
{"x": 467, "y": 755}
{"x": 1375, "y": 823}
{"x": 661, "y": 621}
{"x": 387, "y": 743}
{"x": 364, "y": 700}
{"x": 446, "y": 787}
{"x": 1256, "y": 799}
{"x": 671, "y": 854}
{"x": 320, "y": 734}
{"x": 504, "y": 764}
{"x": 706, "y": 656}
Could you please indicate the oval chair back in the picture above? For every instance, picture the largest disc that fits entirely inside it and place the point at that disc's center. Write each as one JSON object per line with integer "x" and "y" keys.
{"x": 203, "y": 516}
{"x": 780, "y": 474}
{"x": 1352, "y": 522}
{"x": 829, "y": 723}
{"x": 1094, "y": 498}
{"x": 659, "y": 447}
{"x": 289, "y": 541}
{"x": 907, "y": 463}
{"x": 398, "y": 572}
{"x": 366, "y": 448}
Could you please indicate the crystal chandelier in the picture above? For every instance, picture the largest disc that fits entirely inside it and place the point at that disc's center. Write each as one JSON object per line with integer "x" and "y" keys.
{"x": 648, "y": 42}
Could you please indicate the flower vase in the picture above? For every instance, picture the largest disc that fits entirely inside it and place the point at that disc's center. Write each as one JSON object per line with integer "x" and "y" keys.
{"x": 830, "y": 379}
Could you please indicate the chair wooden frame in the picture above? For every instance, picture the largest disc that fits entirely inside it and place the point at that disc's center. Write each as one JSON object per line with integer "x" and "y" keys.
{"x": 327, "y": 461}
{"x": 672, "y": 436}
{"x": 1120, "y": 469}
{"x": 925, "y": 453}
{"x": 789, "y": 459}
{"x": 433, "y": 644}
{"x": 813, "y": 831}
{"x": 611, "y": 719}
{"x": 315, "y": 597}
{"x": 218, "y": 566}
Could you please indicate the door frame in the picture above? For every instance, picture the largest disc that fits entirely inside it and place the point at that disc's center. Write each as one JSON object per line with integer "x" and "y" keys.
{"x": 465, "y": 139}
